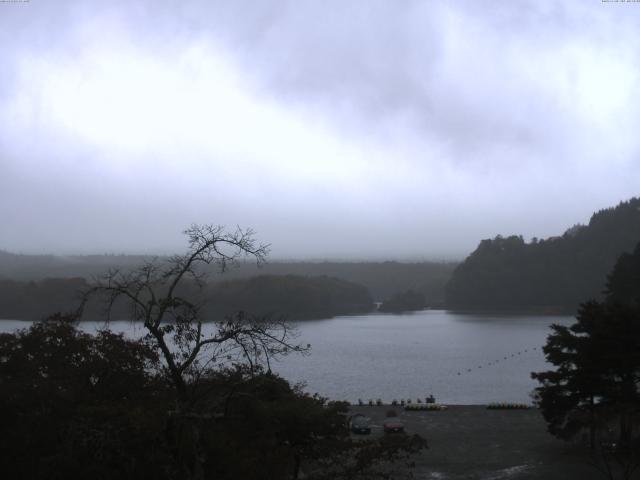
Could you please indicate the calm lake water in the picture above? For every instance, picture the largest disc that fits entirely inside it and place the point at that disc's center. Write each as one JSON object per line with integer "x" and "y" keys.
{"x": 459, "y": 358}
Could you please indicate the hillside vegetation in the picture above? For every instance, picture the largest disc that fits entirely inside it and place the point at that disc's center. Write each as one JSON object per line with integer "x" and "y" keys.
{"x": 382, "y": 279}
{"x": 552, "y": 275}
{"x": 293, "y": 297}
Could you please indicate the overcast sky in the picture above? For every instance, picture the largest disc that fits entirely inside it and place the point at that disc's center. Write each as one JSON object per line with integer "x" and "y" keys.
{"x": 373, "y": 129}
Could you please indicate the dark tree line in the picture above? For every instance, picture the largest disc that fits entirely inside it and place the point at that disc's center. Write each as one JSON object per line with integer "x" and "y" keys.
{"x": 404, "y": 302}
{"x": 382, "y": 279}
{"x": 555, "y": 274}
{"x": 293, "y": 297}
{"x": 35, "y": 300}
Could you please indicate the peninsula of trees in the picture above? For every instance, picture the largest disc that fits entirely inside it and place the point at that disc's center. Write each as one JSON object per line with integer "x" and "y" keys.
{"x": 404, "y": 302}
{"x": 552, "y": 275}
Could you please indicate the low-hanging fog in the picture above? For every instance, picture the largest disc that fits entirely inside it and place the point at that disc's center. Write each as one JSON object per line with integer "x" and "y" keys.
{"x": 371, "y": 129}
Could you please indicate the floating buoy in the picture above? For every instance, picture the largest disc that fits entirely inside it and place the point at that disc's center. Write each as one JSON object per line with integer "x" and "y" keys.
{"x": 495, "y": 362}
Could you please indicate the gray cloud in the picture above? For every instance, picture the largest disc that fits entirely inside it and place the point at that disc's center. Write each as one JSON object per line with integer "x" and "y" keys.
{"x": 336, "y": 129}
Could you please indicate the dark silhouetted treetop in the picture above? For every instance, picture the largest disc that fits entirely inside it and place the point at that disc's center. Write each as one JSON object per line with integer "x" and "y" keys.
{"x": 74, "y": 405}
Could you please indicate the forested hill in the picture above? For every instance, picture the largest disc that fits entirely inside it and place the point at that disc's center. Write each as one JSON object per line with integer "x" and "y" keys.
{"x": 289, "y": 296}
{"x": 382, "y": 279}
{"x": 294, "y": 297}
{"x": 555, "y": 274}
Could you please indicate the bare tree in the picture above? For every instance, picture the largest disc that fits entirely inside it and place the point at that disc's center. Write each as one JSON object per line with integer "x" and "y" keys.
{"x": 161, "y": 296}
{"x": 166, "y": 297}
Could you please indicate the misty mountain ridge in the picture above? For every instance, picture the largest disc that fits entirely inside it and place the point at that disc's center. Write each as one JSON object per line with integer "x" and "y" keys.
{"x": 554, "y": 274}
{"x": 383, "y": 279}
{"x": 31, "y": 287}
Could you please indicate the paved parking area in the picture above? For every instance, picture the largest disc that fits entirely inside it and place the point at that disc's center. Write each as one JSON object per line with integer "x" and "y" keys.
{"x": 472, "y": 442}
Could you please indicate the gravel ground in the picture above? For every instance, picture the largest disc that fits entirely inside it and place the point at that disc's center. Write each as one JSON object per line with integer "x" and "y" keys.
{"x": 472, "y": 442}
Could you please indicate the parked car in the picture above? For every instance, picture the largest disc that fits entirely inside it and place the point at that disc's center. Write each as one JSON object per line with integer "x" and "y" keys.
{"x": 393, "y": 425}
{"x": 360, "y": 424}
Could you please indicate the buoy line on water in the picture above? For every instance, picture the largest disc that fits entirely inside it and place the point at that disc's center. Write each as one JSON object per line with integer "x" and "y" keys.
{"x": 415, "y": 406}
{"x": 500, "y": 360}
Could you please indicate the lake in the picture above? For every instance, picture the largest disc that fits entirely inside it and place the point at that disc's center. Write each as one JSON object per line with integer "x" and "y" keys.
{"x": 459, "y": 358}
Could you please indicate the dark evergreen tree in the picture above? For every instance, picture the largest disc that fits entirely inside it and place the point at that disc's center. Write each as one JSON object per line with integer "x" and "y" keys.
{"x": 597, "y": 362}
{"x": 595, "y": 385}
{"x": 623, "y": 284}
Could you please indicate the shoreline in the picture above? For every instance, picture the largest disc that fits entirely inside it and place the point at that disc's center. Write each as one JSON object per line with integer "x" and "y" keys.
{"x": 542, "y": 312}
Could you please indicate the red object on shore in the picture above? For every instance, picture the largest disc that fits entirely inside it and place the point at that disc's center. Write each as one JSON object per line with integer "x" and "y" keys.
{"x": 393, "y": 426}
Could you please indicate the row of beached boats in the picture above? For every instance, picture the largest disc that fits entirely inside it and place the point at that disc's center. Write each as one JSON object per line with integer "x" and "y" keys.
{"x": 430, "y": 405}
{"x": 430, "y": 400}
{"x": 508, "y": 406}
{"x": 421, "y": 407}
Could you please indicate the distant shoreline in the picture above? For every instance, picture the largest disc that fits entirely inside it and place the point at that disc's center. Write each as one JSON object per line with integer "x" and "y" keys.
{"x": 551, "y": 312}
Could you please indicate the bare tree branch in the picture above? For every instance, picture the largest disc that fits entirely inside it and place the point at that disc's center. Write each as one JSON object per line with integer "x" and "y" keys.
{"x": 175, "y": 321}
